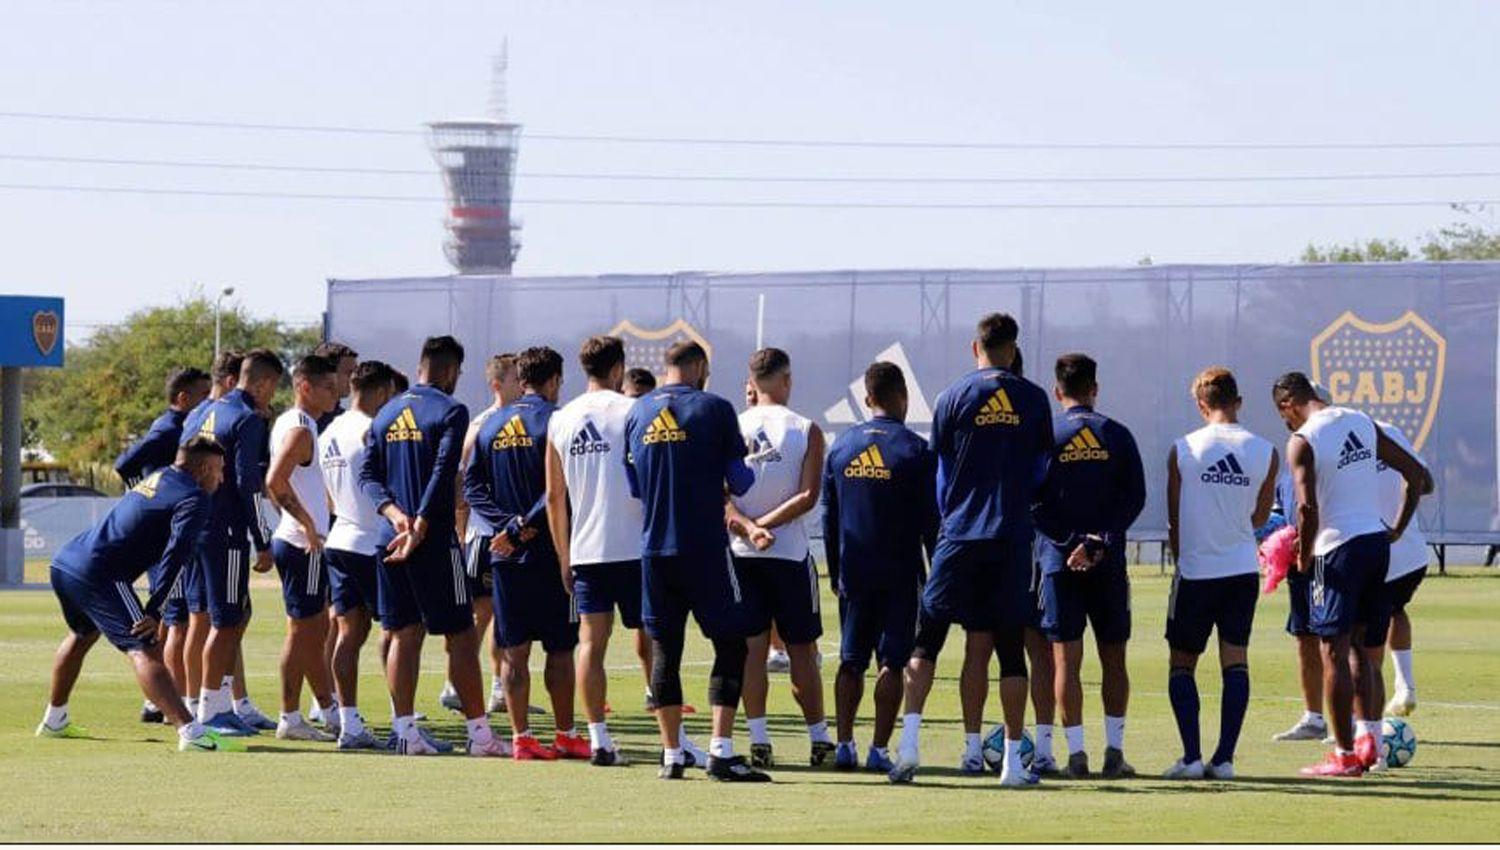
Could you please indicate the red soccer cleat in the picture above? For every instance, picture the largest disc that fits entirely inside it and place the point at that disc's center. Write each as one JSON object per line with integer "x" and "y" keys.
{"x": 1336, "y": 765}
{"x": 528, "y": 748}
{"x": 1367, "y": 749}
{"x": 571, "y": 747}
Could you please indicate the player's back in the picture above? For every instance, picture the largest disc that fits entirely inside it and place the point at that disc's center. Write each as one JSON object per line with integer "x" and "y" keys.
{"x": 234, "y": 424}
{"x": 410, "y": 437}
{"x": 1093, "y": 482}
{"x": 132, "y": 536}
{"x": 1222, "y": 468}
{"x": 1343, "y": 443}
{"x": 589, "y": 436}
{"x": 681, "y": 443}
{"x": 341, "y": 453}
{"x": 776, "y": 438}
{"x": 880, "y": 483}
{"x": 509, "y": 447}
{"x": 156, "y": 449}
{"x": 991, "y": 430}
{"x": 1409, "y": 553}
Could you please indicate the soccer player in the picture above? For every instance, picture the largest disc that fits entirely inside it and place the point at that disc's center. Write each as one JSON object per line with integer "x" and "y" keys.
{"x": 638, "y": 382}
{"x": 410, "y": 475}
{"x": 879, "y": 515}
{"x": 345, "y": 359}
{"x": 295, "y": 484}
{"x": 153, "y": 527}
{"x": 1221, "y": 484}
{"x": 1038, "y": 655}
{"x": 1345, "y": 544}
{"x": 354, "y": 541}
{"x": 776, "y": 577}
{"x": 1408, "y": 568}
{"x": 684, "y": 447}
{"x": 506, "y": 484}
{"x": 233, "y": 527}
{"x": 1092, "y": 490}
{"x": 991, "y": 431}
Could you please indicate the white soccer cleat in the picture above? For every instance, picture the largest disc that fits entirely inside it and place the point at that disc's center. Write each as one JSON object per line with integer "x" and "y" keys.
{"x": 448, "y": 698}
{"x": 1222, "y": 772}
{"x": 494, "y": 748}
{"x": 1302, "y": 730}
{"x": 302, "y": 731}
{"x": 1402, "y": 704}
{"x": 694, "y": 755}
{"x": 778, "y": 662}
{"x": 315, "y": 714}
{"x": 1185, "y": 770}
{"x": 906, "y": 767}
{"x": 416, "y": 745}
{"x": 1020, "y": 778}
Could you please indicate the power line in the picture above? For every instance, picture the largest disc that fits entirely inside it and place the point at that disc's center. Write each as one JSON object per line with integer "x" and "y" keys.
{"x": 657, "y": 202}
{"x": 765, "y": 142}
{"x": 752, "y": 178}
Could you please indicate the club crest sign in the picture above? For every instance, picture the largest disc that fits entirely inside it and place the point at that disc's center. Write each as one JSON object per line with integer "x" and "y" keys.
{"x": 1391, "y": 371}
{"x": 45, "y": 325}
{"x": 646, "y": 349}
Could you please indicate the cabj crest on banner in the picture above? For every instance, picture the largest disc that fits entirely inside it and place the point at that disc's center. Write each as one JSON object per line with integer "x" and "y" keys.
{"x": 1392, "y": 371}
{"x": 646, "y": 349}
{"x": 44, "y": 327}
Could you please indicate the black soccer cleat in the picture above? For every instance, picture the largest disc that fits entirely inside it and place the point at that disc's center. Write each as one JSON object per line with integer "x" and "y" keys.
{"x": 151, "y": 714}
{"x": 760, "y": 757}
{"x": 608, "y": 758}
{"x": 1115, "y": 765}
{"x": 734, "y": 769}
{"x": 820, "y": 752}
{"x": 1078, "y": 765}
{"x": 670, "y": 771}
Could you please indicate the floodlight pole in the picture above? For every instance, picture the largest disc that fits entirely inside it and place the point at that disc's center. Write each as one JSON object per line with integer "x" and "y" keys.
{"x": 218, "y": 300}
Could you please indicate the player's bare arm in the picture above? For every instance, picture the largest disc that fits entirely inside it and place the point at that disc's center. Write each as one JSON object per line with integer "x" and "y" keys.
{"x": 1299, "y": 454}
{"x": 742, "y": 526}
{"x": 1418, "y": 479}
{"x": 1265, "y": 500}
{"x": 296, "y": 449}
{"x": 559, "y": 522}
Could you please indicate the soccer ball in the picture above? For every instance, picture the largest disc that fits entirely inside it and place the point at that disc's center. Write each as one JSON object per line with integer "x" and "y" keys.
{"x": 1399, "y": 740}
{"x": 994, "y": 749}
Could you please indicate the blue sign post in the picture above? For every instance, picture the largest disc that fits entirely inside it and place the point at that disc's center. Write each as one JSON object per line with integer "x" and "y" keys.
{"x": 31, "y": 334}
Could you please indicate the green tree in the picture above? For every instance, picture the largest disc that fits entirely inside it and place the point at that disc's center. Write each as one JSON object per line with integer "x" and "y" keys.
{"x": 1373, "y": 251}
{"x": 1462, "y": 240}
{"x": 114, "y": 383}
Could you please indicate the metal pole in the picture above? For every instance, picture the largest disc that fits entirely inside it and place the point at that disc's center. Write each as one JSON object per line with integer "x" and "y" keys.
{"x": 760, "y": 321}
{"x": 216, "y": 329}
{"x": 12, "y": 554}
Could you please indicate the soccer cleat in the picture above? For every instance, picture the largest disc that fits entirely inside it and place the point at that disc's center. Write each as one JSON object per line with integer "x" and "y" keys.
{"x": 1223, "y": 771}
{"x": 1115, "y": 765}
{"x": 497, "y": 702}
{"x": 1303, "y": 730}
{"x": 820, "y": 752}
{"x": 611, "y": 757}
{"x": 734, "y": 769}
{"x": 363, "y": 741}
{"x": 434, "y": 742}
{"x": 846, "y": 757}
{"x": 1367, "y": 747}
{"x": 1335, "y": 764}
{"x": 494, "y": 748}
{"x": 670, "y": 771}
{"x": 228, "y": 724}
{"x": 67, "y": 730}
{"x": 150, "y": 714}
{"x": 878, "y": 761}
{"x": 1022, "y": 778}
{"x": 1186, "y": 770}
{"x": 760, "y": 756}
{"x": 332, "y": 724}
{"x": 1402, "y": 704}
{"x": 253, "y": 718}
{"x": 778, "y": 662}
{"x": 301, "y": 731}
{"x": 692, "y": 754}
{"x": 1078, "y": 765}
{"x": 528, "y": 748}
{"x": 905, "y": 768}
{"x": 448, "y": 698}
{"x": 571, "y": 747}
{"x": 971, "y": 764}
{"x": 1044, "y": 766}
{"x": 315, "y": 714}
{"x": 209, "y": 742}
{"x": 417, "y": 745}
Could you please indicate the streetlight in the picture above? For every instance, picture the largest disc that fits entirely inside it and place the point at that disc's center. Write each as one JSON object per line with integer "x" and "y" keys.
{"x": 227, "y": 291}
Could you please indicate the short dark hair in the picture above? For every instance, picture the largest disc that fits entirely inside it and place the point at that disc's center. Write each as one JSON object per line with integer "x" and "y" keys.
{"x": 444, "y": 351}
{"x": 995, "y": 330}
{"x": 261, "y": 363}
{"x": 1293, "y": 387}
{"x": 372, "y": 374}
{"x": 314, "y": 366}
{"x": 685, "y": 353}
{"x": 1017, "y": 366}
{"x": 884, "y": 381}
{"x": 768, "y": 363}
{"x": 227, "y": 365}
{"x": 182, "y": 381}
{"x": 335, "y": 351}
{"x": 399, "y": 382}
{"x": 496, "y": 367}
{"x": 641, "y": 379}
{"x": 599, "y": 355}
{"x": 1216, "y": 388}
{"x": 197, "y": 448}
{"x": 1077, "y": 374}
{"x": 538, "y": 365}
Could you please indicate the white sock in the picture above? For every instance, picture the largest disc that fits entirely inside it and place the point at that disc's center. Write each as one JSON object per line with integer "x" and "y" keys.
{"x": 149, "y": 706}
{"x": 243, "y": 706}
{"x": 497, "y": 689}
{"x": 1401, "y": 659}
{"x": 330, "y": 709}
{"x": 1012, "y": 758}
{"x": 722, "y": 748}
{"x": 599, "y": 736}
{"x": 972, "y": 746}
{"x": 1367, "y": 727}
{"x": 405, "y": 727}
{"x": 880, "y": 751}
{"x": 759, "y": 734}
{"x": 228, "y": 683}
{"x": 191, "y": 704}
{"x": 911, "y": 730}
{"x": 56, "y": 716}
{"x": 683, "y": 741}
{"x": 1044, "y": 740}
{"x": 817, "y": 732}
{"x": 1313, "y": 717}
{"x": 672, "y": 755}
{"x": 349, "y": 719}
{"x": 479, "y": 730}
{"x": 292, "y": 718}
{"x": 1114, "y": 732}
{"x": 190, "y": 730}
{"x": 1074, "y": 734}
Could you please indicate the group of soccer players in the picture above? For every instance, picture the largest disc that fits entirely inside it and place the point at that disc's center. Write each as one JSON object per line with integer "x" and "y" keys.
{"x": 661, "y": 502}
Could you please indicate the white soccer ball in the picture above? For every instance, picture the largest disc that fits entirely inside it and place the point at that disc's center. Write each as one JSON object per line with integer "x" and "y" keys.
{"x": 994, "y": 749}
{"x": 1398, "y": 740}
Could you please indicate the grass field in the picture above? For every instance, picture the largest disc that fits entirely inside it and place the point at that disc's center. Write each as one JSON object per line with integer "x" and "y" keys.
{"x": 129, "y": 784}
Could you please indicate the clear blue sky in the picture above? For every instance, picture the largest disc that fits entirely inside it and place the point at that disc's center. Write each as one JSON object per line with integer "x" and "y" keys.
{"x": 982, "y": 70}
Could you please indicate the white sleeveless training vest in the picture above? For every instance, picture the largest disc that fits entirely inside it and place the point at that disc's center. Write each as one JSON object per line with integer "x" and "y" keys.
{"x": 589, "y": 436}
{"x": 777, "y": 441}
{"x": 357, "y": 527}
{"x": 306, "y": 480}
{"x": 1348, "y": 486}
{"x": 1223, "y": 468}
{"x": 1408, "y": 554}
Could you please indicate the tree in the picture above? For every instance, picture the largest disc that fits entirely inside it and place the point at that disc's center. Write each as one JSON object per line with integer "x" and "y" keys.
{"x": 1373, "y": 251}
{"x": 1462, "y": 240}
{"x": 114, "y": 383}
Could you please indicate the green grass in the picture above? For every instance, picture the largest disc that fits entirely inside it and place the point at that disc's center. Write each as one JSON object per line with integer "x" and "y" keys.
{"x": 131, "y": 785}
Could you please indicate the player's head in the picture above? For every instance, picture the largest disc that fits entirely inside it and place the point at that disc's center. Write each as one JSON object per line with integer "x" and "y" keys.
{"x": 1077, "y": 379}
{"x": 226, "y": 372}
{"x": 1017, "y": 367}
{"x": 603, "y": 361}
{"x": 1217, "y": 394}
{"x": 638, "y": 382}
{"x": 885, "y": 390}
{"x": 541, "y": 371}
{"x": 771, "y": 373}
{"x": 505, "y": 382}
{"x": 372, "y": 385}
{"x": 315, "y": 384}
{"x": 442, "y": 361}
{"x": 687, "y": 363}
{"x": 203, "y": 458}
{"x": 260, "y": 372}
{"x": 399, "y": 382}
{"x": 1296, "y": 399}
{"x": 344, "y": 357}
{"x": 995, "y": 340}
{"x": 187, "y": 387}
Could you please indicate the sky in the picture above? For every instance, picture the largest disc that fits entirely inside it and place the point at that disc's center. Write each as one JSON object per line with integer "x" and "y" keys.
{"x": 874, "y": 71}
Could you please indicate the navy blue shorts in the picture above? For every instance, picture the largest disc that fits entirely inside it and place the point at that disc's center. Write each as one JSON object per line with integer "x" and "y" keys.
{"x": 531, "y": 604}
{"x": 304, "y": 582}
{"x": 601, "y": 588}
{"x": 979, "y": 584}
{"x": 174, "y": 610}
{"x": 1404, "y": 588}
{"x": 1097, "y": 597}
{"x": 1198, "y": 606}
{"x": 780, "y": 591}
{"x": 90, "y": 607}
{"x": 224, "y": 572}
{"x": 1348, "y": 590}
{"x": 1034, "y": 597}
{"x": 704, "y": 585}
{"x": 429, "y": 588}
{"x": 882, "y": 622}
{"x": 477, "y": 561}
{"x": 352, "y": 581}
{"x": 1299, "y": 601}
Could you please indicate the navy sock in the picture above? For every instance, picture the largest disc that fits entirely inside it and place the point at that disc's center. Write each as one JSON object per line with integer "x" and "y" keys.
{"x": 1232, "y": 713}
{"x": 1182, "y": 688}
